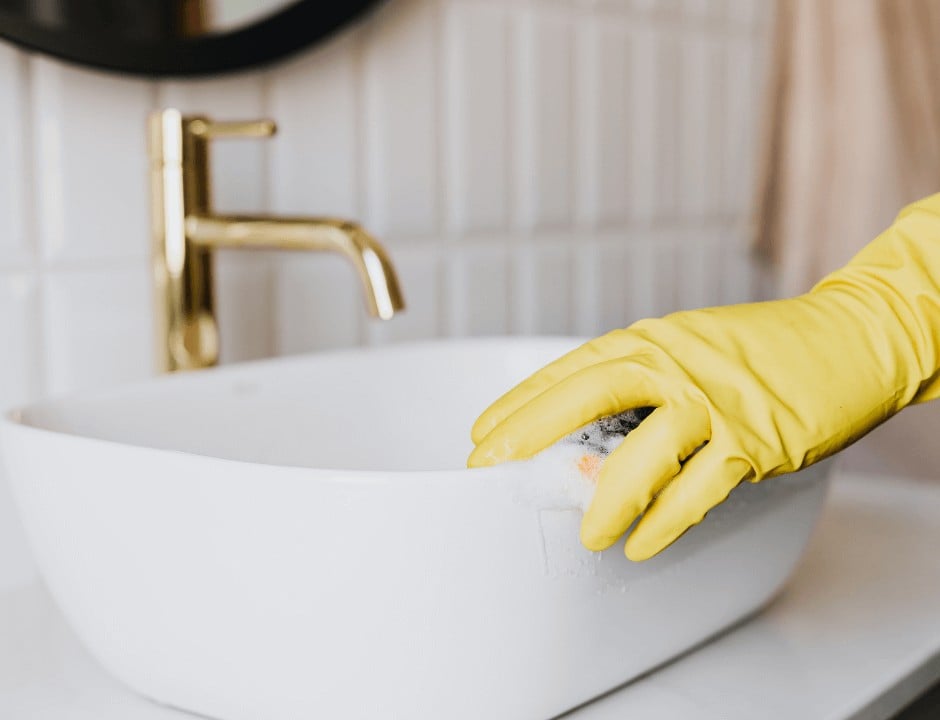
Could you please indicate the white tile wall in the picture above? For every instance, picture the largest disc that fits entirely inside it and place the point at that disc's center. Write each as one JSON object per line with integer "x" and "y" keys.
{"x": 419, "y": 269}
{"x": 553, "y": 167}
{"x": 89, "y": 164}
{"x": 544, "y": 108}
{"x": 399, "y": 114}
{"x": 476, "y": 95}
{"x": 542, "y": 287}
{"x": 19, "y": 320}
{"x": 478, "y": 290}
{"x": 14, "y": 245}
{"x": 319, "y": 304}
{"x": 92, "y": 330}
{"x": 315, "y": 156}
{"x": 608, "y": 109}
{"x": 645, "y": 135}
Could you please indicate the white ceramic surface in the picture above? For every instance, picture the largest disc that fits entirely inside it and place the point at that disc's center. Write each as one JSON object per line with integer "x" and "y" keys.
{"x": 856, "y": 634}
{"x": 297, "y": 538}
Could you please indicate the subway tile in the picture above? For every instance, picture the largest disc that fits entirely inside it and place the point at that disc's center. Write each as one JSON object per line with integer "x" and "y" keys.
{"x": 400, "y": 123}
{"x": 698, "y": 268}
{"x": 608, "y": 282}
{"x": 478, "y": 291}
{"x": 542, "y": 289}
{"x": 419, "y": 273}
{"x": 645, "y": 124}
{"x": 244, "y": 301}
{"x": 587, "y": 116}
{"x": 612, "y": 104}
{"x": 90, "y": 163}
{"x": 14, "y": 175}
{"x": 543, "y": 119}
{"x": 716, "y": 111}
{"x": 761, "y": 50}
{"x": 97, "y": 327}
{"x": 319, "y": 303}
{"x": 585, "y": 295}
{"x": 700, "y": 10}
{"x": 739, "y": 274}
{"x": 613, "y": 279}
{"x": 476, "y": 120}
{"x": 714, "y": 266}
{"x": 747, "y": 13}
{"x": 19, "y": 358}
{"x": 238, "y": 167}
{"x": 633, "y": 278}
{"x": 725, "y": 240}
{"x": 764, "y": 15}
{"x": 738, "y": 127}
{"x": 635, "y": 147}
{"x": 313, "y": 168}
{"x": 664, "y": 9}
{"x": 699, "y": 102}
{"x": 665, "y": 272}
{"x": 641, "y": 271}
{"x": 667, "y": 139}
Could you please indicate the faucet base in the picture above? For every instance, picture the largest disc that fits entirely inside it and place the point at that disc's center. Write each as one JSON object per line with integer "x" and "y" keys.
{"x": 187, "y": 333}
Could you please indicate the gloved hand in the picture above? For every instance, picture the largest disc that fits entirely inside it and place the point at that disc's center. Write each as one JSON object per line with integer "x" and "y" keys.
{"x": 743, "y": 392}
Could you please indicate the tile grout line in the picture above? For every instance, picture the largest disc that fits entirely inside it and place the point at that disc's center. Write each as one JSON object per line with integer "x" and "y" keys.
{"x": 448, "y": 285}
{"x": 583, "y": 303}
{"x": 522, "y": 130}
{"x": 267, "y": 184}
{"x": 442, "y": 179}
{"x": 361, "y": 147}
{"x": 574, "y": 21}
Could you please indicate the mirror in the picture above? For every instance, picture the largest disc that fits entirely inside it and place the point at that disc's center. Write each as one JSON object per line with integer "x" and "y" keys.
{"x": 173, "y": 37}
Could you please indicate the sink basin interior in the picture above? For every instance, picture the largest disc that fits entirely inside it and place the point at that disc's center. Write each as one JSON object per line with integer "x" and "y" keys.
{"x": 412, "y": 412}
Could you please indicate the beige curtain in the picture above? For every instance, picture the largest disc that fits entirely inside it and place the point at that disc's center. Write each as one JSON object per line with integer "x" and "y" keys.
{"x": 852, "y": 129}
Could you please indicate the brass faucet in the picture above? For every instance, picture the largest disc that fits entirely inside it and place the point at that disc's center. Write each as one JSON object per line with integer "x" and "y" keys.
{"x": 186, "y": 231}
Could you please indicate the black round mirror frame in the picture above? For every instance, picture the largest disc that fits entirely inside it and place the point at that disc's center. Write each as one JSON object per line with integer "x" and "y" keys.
{"x": 270, "y": 39}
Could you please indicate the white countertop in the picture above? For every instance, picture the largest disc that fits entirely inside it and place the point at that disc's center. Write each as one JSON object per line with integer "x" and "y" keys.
{"x": 855, "y": 635}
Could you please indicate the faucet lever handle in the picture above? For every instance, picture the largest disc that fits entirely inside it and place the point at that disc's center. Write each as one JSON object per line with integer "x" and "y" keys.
{"x": 224, "y": 130}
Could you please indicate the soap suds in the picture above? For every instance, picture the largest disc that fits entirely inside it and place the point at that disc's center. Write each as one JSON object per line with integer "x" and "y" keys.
{"x": 565, "y": 474}
{"x": 559, "y": 484}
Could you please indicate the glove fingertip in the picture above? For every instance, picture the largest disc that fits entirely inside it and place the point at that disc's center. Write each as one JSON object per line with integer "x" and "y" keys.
{"x": 481, "y": 428}
{"x": 481, "y": 456}
{"x": 639, "y": 547}
{"x": 592, "y": 539}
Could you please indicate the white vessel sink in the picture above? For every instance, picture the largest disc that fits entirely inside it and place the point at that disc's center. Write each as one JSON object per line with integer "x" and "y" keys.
{"x": 299, "y": 538}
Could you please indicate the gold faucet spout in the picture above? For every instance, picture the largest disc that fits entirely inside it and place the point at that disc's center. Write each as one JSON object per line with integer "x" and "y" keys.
{"x": 187, "y": 231}
{"x": 261, "y": 232}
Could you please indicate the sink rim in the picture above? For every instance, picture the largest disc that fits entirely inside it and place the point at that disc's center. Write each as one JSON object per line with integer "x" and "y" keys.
{"x": 16, "y": 419}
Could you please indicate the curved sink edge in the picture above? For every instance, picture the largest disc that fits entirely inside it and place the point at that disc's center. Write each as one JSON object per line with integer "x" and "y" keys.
{"x": 16, "y": 419}
{"x": 16, "y": 413}
{"x": 345, "y": 475}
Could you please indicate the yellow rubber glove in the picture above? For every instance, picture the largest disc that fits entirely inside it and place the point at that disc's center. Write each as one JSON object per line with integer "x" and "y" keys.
{"x": 768, "y": 388}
